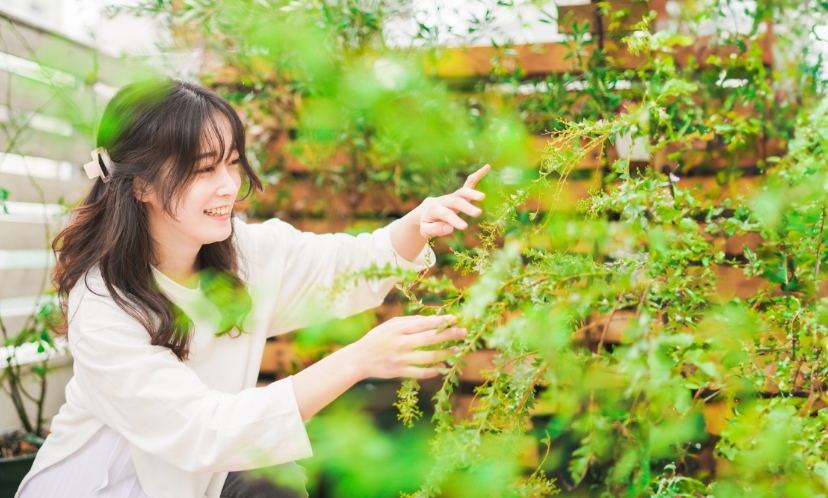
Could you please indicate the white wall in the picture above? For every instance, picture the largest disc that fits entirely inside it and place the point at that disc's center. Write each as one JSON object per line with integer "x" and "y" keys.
{"x": 87, "y": 22}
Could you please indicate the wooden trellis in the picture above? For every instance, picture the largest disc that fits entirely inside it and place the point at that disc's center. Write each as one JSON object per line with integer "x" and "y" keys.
{"x": 52, "y": 92}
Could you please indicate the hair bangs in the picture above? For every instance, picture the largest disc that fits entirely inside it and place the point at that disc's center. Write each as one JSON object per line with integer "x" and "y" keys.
{"x": 206, "y": 142}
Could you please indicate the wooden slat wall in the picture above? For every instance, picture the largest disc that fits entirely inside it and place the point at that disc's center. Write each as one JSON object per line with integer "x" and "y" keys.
{"x": 55, "y": 51}
{"x": 49, "y": 145}
{"x": 462, "y": 64}
{"x": 621, "y": 18}
{"x": 534, "y": 60}
{"x": 76, "y": 105}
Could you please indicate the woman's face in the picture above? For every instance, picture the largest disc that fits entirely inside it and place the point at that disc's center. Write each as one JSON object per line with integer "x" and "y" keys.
{"x": 202, "y": 213}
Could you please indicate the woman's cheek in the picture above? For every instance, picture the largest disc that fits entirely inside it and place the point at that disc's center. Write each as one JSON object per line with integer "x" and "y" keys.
{"x": 236, "y": 175}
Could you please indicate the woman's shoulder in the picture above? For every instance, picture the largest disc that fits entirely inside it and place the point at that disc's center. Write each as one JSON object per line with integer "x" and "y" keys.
{"x": 93, "y": 314}
{"x": 269, "y": 229}
{"x": 265, "y": 238}
{"x": 90, "y": 282}
{"x": 90, "y": 295}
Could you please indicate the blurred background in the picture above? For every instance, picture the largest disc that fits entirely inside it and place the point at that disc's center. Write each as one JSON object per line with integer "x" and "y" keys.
{"x": 357, "y": 110}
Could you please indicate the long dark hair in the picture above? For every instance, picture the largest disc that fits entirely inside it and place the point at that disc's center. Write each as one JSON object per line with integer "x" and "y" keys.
{"x": 153, "y": 130}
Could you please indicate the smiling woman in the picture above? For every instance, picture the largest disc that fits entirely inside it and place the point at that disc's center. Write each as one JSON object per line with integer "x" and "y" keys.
{"x": 152, "y": 207}
{"x": 168, "y": 301}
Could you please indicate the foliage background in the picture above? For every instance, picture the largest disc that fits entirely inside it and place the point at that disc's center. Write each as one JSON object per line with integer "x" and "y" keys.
{"x": 659, "y": 323}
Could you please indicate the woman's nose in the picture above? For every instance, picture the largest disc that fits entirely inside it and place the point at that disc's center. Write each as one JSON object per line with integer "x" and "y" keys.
{"x": 230, "y": 181}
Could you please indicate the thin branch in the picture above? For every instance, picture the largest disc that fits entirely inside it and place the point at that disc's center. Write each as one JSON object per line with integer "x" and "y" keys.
{"x": 819, "y": 242}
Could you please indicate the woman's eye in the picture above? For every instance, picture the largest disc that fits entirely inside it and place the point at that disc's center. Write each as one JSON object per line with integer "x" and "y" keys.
{"x": 236, "y": 161}
{"x": 208, "y": 169}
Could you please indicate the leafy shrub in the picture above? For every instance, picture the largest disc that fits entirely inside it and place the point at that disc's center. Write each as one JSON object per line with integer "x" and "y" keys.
{"x": 714, "y": 385}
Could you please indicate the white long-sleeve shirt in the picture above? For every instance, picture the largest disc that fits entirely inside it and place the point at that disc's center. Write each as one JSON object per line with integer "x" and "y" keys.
{"x": 190, "y": 423}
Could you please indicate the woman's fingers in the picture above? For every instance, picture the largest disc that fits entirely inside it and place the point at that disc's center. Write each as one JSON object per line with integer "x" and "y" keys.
{"x": 421, "y": 373}
{"x": 470, "y": 194}
{"x": 430, "y": 357}
{"x": 460, "y": 204}
{"x": 439, "y": 212}
{"x": 435, "y": 229}
{"x": 432, "y": 337}
{"x": 416, "y": 324}
{"x": 441, "y": 218}
{"x": 475, "y": 177}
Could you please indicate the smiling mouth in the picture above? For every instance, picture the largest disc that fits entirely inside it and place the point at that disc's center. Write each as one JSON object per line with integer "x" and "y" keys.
{"x": 217, "y": 211}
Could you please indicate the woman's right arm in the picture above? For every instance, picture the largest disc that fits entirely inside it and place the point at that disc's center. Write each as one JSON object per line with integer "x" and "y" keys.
{"x": 387, "y": 351}
{"x": 162, "y": 407}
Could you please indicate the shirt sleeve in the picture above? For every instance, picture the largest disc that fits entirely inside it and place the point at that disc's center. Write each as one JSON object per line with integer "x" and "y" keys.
{"x": 304, "y": 266}
{"x": 162, "y": 407}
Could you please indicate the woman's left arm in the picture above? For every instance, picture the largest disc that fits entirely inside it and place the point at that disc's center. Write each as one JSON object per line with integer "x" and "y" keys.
{"x": 305, "y": 264}
{"x": 435, "y": 217}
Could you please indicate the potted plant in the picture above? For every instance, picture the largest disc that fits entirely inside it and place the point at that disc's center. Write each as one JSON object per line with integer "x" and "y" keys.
{"x": 26, "y": 362}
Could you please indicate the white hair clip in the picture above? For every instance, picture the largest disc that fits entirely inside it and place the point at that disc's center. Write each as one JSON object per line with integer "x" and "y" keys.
{"x": 100, "y": 165}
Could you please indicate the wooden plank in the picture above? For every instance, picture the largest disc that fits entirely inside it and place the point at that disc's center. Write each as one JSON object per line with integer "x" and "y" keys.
{"x": 716, "y": 416}
{"x": 477, "y": 363}
{"x": 537, "y": 143}
{"x": 460, "y": 281}
{"x": 79, "y": 106}
{"x": 534, "y": 60}
{"x": 21, "y": 189}
{"x": 462, "y": 406}
{"x": 708, "y": 187}
{"x": 27, "y": 41}
{"x": 279, "y": 155}
{"x": 598, "y": 328}
{"x": 24, "y": 235}
{"x": 74, "y": 148}
{"x": 529, "y": 455}
{"x": 705, "y": 46}
{"x": 731, "y": 282}
{"x": 21, "y": 282}
{"x": 305, "y": 198}
{"x": 277, "y": 358}
{"x": 732, "y": 245}
{"x": 563, "y": 199}
{"x": 388, "y": 310}
{"x": 621, "y": 18}
{"x": 327, "y": 157}
{"x": 13, "y": 324}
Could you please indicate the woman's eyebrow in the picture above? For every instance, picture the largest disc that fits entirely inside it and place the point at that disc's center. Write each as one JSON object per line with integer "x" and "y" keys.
{"x": 211, "y": 153}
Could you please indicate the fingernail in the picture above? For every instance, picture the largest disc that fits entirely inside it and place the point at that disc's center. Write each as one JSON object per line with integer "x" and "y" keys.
{"x": 446, "y": 229}
{"x": 462, "y": 332}
{"x": 455, "y": 350}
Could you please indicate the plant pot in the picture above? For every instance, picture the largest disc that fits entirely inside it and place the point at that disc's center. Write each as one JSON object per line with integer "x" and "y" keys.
{"x": 12, "y": 472}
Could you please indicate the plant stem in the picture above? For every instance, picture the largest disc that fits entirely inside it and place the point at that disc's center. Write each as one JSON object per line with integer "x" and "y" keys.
{"x": 819, "y": 243}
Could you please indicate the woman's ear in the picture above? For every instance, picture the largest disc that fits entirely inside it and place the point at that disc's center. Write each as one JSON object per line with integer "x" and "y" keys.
{"x": 140, "y": 190}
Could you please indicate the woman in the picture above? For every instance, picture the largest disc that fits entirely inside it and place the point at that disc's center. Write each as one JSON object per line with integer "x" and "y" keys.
{"x": 168, "y": 300}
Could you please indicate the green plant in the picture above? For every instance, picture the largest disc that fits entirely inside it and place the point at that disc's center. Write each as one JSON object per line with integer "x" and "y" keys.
{"x": 622, "y": 415}
{"x": 688, "y": 342}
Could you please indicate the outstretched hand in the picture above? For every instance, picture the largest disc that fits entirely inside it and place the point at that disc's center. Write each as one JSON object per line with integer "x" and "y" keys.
{"x": 391, "y": 348}
{"x": 439, "y": 214}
